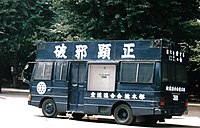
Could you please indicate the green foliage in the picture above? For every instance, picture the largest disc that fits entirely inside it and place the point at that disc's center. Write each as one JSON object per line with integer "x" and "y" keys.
{"x": 20, "y": 22}
{"x": 131, "y": 19}
{"x": 196, "y": 53}
{"x": 61, "y": 29}
{"x": 193, "y": 32}
{"x": 195, "y": 57}
{"x": 109, "y": 19}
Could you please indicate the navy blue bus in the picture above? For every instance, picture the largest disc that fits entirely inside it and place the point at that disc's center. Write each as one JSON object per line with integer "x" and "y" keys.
{"x": 131, "y": 80}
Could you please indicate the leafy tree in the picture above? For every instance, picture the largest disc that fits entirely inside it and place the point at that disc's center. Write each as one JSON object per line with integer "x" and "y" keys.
{"x": 126, "y": 19}
{"x": 21, "y": 21}
{"x": 132, "y": 19}
{"x": 192, "y": 32}
{"x": 195, "y": 57}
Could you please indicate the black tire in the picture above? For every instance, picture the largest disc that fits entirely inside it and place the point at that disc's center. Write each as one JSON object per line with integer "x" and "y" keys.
{"x": 78, "y": 115}
{"x": 49, "y": 108}
{"x": 123, "y": 114}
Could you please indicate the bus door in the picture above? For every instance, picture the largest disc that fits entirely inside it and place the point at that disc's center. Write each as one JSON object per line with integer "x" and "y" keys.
{"x": 76, "y": 85}
{"x": 60, "y": 85}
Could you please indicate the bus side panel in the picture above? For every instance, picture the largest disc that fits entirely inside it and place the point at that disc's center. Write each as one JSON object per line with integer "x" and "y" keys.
{"x": 142, "y": 97}
{"x": 37, "y": 95}
{"x": 141, "y": 101}
{"x": 60, "y": 95}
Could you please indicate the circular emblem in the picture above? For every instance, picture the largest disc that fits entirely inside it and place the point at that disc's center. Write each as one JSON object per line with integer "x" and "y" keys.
{"x": 41, "y": 88}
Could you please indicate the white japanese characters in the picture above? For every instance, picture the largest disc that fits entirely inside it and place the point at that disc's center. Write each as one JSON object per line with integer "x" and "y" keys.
{"x": 141, "y": 96}
{"x": 99, "y": 95}
{"x": 127, "y": 96}
{"x": 105, "y": 95}
{"x": 104, "y": 51}
{"x": 60, "y": 51}
{"x": 175, "y": 55}
{"x": 175, "y": 89}
{"x": 93, "y": 95}
{"x": 134, "y": 96}
{"x": 128, "y": 51}
{"x": 119, "y": 96}
{"x": 112, "y": 95}
{"x": 81, "y": 51}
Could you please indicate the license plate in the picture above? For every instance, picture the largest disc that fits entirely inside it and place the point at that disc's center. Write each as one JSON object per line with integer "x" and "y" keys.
{"x": 175, "y": 97}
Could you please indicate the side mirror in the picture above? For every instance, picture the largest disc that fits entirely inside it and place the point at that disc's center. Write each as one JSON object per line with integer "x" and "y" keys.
{"x": 26, "y": 72}
{"x": 26, "y": 66}
{"x": 25, "y": 80}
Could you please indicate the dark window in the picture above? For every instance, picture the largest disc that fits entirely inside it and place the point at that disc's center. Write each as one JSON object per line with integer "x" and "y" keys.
{"x": 137, "y": 72}
{"x": 128, "y": 72}
{"x": 60, "y": 70}
{"x": 43, "y": 70}
{"x": 181, "y": 73}
{"x": 174, "y": 72}
{"x": 74, "y": 73}
{"x": 82, "y": 73}
{"x": 78, "y": 72}
{"x": 165, "y": 72}
{"x": 145, "y": 73}
{"x": 168, "y": 72}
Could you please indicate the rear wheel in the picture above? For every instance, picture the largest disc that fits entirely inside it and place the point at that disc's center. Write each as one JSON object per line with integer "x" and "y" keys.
{"x": 123, "y": 114}
{"x": 49, "y": 108}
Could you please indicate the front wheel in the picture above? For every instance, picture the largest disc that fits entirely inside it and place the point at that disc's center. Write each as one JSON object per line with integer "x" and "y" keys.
{"x": 49, "y": 108}
{"x": 123, "y": 114}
